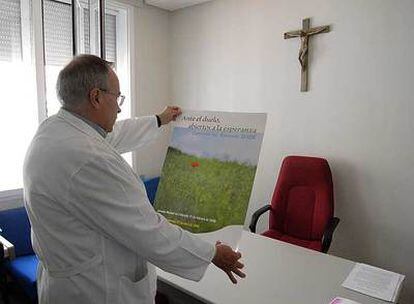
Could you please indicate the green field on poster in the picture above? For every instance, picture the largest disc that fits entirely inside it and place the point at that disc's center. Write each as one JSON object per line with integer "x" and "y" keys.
{"x": 204, "y": 194}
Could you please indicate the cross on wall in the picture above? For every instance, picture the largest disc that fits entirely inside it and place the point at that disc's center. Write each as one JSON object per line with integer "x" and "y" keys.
{"x": 304, "y": 34}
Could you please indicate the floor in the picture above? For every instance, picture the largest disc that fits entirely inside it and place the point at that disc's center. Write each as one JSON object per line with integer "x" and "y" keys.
{"x": 16, "y": 296}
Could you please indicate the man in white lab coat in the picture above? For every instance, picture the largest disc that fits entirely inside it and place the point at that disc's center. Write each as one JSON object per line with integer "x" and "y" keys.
{"x": 93, "y": 229}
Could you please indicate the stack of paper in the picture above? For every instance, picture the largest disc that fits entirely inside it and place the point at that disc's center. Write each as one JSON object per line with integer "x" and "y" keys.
{"x": 375, "y": 282}
{"x": 339, "y": 300}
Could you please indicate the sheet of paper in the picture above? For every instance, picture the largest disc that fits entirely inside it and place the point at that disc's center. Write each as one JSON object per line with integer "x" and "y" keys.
{"x": 339, "y": 300}
{"x": 375, "y": 282}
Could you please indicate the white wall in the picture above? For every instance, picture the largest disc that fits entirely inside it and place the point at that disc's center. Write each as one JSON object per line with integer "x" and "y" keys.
{"x": 152, "y": 82}
{"x": 230, "y": 55}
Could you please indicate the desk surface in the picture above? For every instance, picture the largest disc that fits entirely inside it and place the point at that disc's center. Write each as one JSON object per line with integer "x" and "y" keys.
{"x": 277, "y": 273}
{"x": 8, "y": 248}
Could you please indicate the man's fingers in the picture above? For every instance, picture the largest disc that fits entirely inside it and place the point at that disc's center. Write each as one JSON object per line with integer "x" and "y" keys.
{"x": 169, "y": 114}
{"x": 240, "y": 273}
{"x": 231, "y": 277}
{"x": 175, "y": 111}
{"x": 239, "y": 264}
{"x": 228, "y": 261}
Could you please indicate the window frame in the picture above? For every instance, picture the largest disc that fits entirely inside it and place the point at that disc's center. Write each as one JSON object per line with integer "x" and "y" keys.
{"x": 31, "y": 23}
{"x": 32, "y": 16}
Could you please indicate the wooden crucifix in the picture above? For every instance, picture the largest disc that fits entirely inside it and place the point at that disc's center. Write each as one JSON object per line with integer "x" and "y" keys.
{"x": 304, "y": 35}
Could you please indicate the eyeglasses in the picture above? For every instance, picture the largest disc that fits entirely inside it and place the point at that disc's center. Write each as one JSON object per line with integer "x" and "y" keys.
{"x": 119, "y": 98}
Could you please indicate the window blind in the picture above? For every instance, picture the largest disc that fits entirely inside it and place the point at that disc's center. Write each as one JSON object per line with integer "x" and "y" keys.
{"x": 58, "y": 32}
{"x": 110, "y": 37}
{"x": 10, "y": 30}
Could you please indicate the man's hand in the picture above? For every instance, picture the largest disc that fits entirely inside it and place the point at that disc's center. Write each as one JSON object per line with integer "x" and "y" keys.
{"x": 228, "y": 260}
{"x": 170, "y": 113}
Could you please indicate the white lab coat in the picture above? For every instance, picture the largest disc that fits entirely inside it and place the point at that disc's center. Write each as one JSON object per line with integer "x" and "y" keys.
{"x": 93, "y": 228}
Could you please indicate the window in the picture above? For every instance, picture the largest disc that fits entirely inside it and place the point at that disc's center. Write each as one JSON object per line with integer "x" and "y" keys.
{"x": 19, "y": 115}
{"x": 58, "y": 46}
{"x": 30, "y": 61}
{"x": 116, "y": 41}
{"x": 10, "y": 31}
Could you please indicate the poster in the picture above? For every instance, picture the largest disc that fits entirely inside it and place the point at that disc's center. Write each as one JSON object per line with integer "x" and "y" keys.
{"x": 209, "y": 170}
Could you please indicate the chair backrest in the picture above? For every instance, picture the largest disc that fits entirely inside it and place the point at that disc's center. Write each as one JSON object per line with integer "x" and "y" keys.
{"x": 15, "y": 227}
{"x": 303, "y": 202}
{"x": 151, "y": 185}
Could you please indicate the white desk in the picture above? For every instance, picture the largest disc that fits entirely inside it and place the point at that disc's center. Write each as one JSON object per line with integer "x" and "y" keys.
{"x": 8, "y": 248}
{"x": 277, "y": 273}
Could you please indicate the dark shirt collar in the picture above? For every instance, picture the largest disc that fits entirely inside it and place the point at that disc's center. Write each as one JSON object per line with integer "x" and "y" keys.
{"x": 97, "y": 127}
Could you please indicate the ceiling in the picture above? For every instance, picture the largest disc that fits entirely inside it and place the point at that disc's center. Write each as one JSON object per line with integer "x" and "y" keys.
{"x": 172, "y": 5}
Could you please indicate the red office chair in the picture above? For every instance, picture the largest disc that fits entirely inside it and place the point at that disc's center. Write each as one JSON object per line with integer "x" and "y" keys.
{"x": 302, "y": 207}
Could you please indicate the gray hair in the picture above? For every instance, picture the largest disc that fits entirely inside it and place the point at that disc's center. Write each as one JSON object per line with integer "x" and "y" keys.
{"x": 79, "y": 77}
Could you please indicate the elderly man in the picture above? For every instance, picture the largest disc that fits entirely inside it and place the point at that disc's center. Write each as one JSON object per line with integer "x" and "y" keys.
{"x": 93, "y": 228}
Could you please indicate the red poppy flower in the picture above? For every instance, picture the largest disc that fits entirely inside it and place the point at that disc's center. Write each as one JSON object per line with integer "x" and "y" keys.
{"x": 195, "y": 164}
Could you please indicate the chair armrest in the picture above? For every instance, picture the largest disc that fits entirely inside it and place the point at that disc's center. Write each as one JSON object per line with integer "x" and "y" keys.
{"x": 256, "y": 215}
{"x": 327, "y": 235}
{"x": 7, "y": 249}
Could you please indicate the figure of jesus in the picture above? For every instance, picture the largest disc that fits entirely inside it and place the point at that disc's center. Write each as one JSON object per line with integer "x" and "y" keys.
{"x": 304, "y": 42}
{"x": 303, "y": 51}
